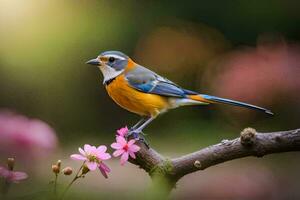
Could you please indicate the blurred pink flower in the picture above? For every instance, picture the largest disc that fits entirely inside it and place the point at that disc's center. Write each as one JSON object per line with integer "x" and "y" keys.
{"x": 122, "y": 131}
{"x": 12, "y": 176}
{"x": 263, "y": 75}
{"x": 125, "y": 149}
{"x": 25, "y": 138}
{"x": 93, "y": 158}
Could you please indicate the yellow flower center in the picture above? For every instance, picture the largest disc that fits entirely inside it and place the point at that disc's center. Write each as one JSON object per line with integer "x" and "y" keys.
{"x": 93, "y": 158}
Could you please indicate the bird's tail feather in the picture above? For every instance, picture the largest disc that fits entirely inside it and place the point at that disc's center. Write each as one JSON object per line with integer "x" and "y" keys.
{"x": 212, "y": 99}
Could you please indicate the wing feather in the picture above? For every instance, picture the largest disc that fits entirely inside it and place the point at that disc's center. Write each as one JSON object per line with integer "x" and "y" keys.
{"x": 147, "y": 81}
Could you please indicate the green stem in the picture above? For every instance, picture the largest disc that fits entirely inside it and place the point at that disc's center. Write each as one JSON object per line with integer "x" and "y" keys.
{"x": 5, "y": 187}
{"x": 77, "y": 176}
{"x": 55, "y": 184}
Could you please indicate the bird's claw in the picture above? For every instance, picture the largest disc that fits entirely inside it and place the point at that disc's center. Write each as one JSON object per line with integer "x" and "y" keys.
{"x": 132, "y": 133}
{"x": 137, "y": 135}
{"x": 143, "y": 140}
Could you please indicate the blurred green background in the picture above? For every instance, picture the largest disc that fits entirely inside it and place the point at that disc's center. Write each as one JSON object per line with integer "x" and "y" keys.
{"x": 245, "y": 50}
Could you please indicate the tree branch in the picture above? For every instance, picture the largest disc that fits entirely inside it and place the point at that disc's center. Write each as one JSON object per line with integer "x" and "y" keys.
{"x": 250, "y": 143}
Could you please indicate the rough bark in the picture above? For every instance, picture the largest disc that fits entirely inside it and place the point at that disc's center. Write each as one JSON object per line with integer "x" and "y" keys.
{"x": 250, "y": 143}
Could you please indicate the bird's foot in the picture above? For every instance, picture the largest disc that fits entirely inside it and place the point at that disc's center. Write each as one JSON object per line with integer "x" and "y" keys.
{"x": 132, "y": 133}
{"x": 143, "y": 140}
{"x": 137, "y": 135}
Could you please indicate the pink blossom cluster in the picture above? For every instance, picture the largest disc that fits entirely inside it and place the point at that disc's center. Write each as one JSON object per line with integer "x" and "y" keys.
{"x": 123, "y": 147}
{"x": 94, "y": 157}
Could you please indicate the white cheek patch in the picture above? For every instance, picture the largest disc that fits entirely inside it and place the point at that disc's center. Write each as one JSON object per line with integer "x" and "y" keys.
{"x": 109, "y": 72}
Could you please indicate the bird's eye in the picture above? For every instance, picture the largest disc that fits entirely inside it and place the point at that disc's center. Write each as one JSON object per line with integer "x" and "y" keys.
{"x": 111, "y": 59}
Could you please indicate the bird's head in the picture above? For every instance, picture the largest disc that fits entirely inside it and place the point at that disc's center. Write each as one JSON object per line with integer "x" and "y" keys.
{"x": 111, "y": 63}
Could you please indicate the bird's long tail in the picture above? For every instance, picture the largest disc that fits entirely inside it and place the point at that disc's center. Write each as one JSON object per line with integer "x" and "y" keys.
{"x": 212, "y": 99}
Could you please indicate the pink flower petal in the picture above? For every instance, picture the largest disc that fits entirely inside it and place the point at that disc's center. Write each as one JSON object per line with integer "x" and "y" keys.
{"x": 124, "y": 158}
{"x": 101, "y": 149}
{"x": 93, "y": 150}
{"x": 18, "y": 176}
{"x": 78, "y": 157}
{"x": 81, "y": 151}
{"x": 122, "y": 131}
{"x": 134, "y": 148}
{"x": 12, "y": 176}
{"x": 118, "y": 152}
{"x": 132, "y": 155}
{"x": 104, "y": 156}
{"x": 91, "y": 165}
{"x": 116, "y": 146}
{"x": 87, "y": 148}
{"x": 104, "y": 169}
{"x": 121, "y": 140}
{"x": 131, "y": 142}
{"x": 4, "y": 172}
{"x": 103, "y": 172}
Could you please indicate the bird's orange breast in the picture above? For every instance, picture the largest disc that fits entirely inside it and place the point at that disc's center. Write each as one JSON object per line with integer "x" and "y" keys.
{"x": 135, "y": 101}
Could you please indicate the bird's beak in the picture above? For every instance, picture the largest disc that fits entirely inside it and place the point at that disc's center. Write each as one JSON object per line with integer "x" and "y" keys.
{"x": 94, "y": 61}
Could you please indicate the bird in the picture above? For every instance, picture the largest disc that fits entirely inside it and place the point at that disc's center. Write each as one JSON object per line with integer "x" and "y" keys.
{"x": 144, "y": 92}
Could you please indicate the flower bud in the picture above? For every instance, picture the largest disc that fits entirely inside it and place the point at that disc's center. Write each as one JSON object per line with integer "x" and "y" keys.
{"x": 10, "y": 163}
{"x": 85, "y": 170}
{"x": 55, "y": 169}
{"x": 58, "y": 163}
{"x": 67, "y": 171}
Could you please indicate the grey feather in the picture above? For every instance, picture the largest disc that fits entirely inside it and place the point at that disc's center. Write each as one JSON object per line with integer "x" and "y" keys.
{"x": 148, "y": 81}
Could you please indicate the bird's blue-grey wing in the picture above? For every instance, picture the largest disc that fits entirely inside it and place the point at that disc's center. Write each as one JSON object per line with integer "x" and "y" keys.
{"x": 145, "y": 80}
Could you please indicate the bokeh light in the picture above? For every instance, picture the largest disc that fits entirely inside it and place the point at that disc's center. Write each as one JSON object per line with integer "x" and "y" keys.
{"x": 244, "y": 50}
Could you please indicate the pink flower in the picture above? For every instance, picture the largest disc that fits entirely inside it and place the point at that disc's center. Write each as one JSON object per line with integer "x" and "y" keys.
{"x": 94, "y": 158}
{"x": 122, "y": 131}
{"x": 12, "y": 176}
{"x": 273, "y": 66}
{"x": 125, "y": 149}
{"x": 27, "y": 139}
